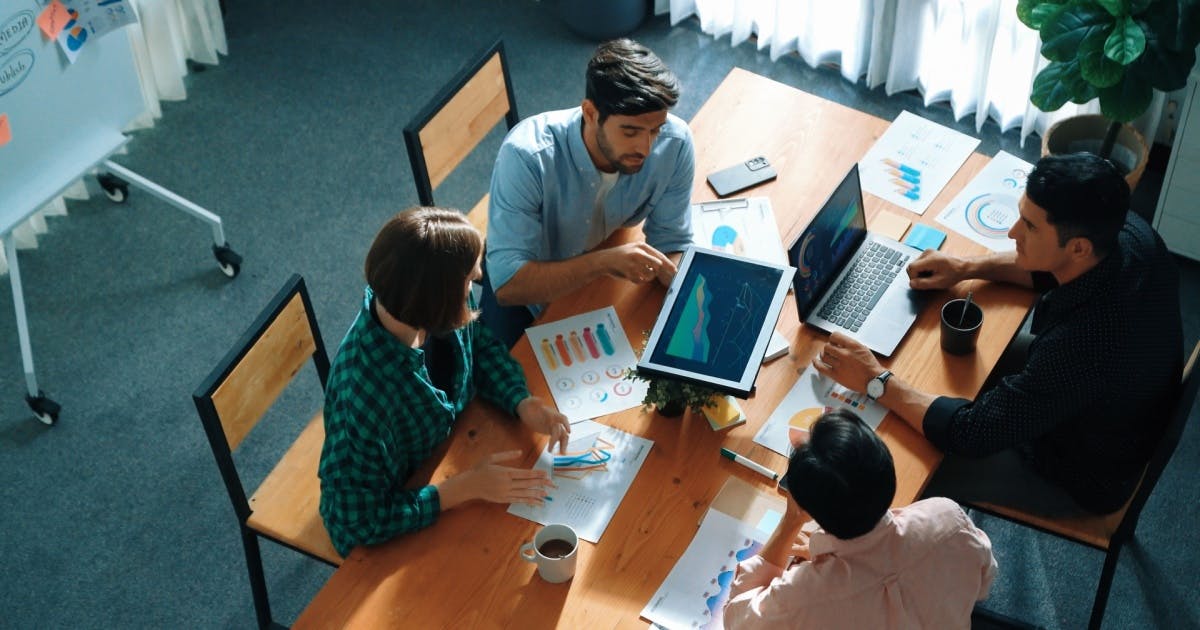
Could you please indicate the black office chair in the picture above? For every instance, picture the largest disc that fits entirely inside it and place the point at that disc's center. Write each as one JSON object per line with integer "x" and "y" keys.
{"x": 231, "y": 401}
{"x": 451, "y": 125}
{"x": 1110, "y": 532}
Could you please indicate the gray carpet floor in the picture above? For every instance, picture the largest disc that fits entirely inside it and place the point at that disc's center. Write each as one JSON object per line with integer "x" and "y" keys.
{"x": 116, "y": 517}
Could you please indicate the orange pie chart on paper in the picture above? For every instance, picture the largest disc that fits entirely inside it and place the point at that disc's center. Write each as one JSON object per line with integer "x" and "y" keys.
{"x": 800, "y": 423}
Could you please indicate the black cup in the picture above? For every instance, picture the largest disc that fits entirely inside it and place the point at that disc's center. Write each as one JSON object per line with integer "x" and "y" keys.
{"x": 960, "y": 326}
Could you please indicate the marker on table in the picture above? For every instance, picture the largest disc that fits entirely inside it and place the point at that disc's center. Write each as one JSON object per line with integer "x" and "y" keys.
{"x": 749, "y": 463}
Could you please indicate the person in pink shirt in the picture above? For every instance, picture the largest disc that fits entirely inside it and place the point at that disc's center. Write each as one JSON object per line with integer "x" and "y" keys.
{"x": 920, "y": 566}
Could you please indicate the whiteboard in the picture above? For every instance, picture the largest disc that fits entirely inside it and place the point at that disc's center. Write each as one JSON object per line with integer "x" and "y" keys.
{"x": 64, "y": 117}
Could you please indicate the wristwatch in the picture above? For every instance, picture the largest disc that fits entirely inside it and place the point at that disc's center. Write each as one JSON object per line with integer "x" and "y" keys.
{"x": 878, "y": 385}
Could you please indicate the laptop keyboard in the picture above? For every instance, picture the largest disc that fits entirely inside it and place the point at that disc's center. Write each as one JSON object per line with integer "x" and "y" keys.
{"x": 861, "y": 289}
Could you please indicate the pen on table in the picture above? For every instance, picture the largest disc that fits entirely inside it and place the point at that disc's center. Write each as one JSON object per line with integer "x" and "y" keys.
{"x": 749, "y": 463}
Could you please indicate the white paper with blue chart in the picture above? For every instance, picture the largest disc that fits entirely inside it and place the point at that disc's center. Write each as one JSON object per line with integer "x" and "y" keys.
{"x": 986, "y": 209}
{"x": 592, "y": 478}
{"x": 811, "y": 396}
{"x": 913, "y": 161}
{"x": 697, "y": 588}
{"x": 585, "y": 358}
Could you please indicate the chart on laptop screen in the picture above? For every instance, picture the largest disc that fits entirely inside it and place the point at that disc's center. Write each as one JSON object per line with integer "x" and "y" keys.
{"x": 717, "y": 319}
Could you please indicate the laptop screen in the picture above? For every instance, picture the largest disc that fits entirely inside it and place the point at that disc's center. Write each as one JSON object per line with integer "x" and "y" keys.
{"x": 830, "y": 239}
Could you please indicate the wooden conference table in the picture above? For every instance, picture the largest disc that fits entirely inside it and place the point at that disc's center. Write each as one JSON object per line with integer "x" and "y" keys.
{"x": 463, "y": 572}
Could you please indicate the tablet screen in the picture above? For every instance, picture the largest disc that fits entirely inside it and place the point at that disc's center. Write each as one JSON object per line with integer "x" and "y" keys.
{"x": 717, "y": 320}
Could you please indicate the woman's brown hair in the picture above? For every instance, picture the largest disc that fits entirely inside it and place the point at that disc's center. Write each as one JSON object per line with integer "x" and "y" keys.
{"x": 418, "y": 266}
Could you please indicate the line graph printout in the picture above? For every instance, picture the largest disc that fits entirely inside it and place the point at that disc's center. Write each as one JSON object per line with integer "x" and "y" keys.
{"x": 697, "y": 588}
{"x": 811, "y": 396}
{"x": 987, "y": 207}
{"x": 913, "y": 161}
{"x": 584, "y": 359}
{"x": 592, "y": 478}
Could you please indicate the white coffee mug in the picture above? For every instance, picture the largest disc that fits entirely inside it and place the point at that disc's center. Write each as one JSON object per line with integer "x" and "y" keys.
{"x": 554, "y": 550}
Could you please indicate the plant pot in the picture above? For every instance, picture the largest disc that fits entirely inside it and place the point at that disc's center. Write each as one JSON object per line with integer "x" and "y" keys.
{"x": 602, "y": 20}
{"x": 1086, "y": 133}
{"x": 672, "y": 409}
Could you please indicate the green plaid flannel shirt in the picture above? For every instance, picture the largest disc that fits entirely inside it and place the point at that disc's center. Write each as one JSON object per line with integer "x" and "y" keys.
{"x": 383, "y": 417}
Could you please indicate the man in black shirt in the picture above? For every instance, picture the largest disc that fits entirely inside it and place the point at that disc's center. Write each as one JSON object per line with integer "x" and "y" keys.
{"x": 1085, "y": 409}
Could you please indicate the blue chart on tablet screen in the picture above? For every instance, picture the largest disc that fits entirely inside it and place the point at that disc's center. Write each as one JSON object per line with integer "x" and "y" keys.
{"x": 714, "y": 328}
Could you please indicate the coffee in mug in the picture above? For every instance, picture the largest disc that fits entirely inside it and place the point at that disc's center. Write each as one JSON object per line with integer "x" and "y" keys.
{"x": 554, "y": 550}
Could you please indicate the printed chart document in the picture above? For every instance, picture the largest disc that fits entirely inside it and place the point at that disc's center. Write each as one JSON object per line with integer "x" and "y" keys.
{"x": 744, "y": 226}
{"x": 697, "y": 588}
{"x": 987, "y": 207}
{"x": 811, "y": 396}
{"x": 913, "y": 161}
{"x": 584, "y": 359}
{"x": 592, "y": 478}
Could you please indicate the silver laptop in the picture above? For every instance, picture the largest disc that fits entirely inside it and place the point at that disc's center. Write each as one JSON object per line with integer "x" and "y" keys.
{"x": 850, "y": 280}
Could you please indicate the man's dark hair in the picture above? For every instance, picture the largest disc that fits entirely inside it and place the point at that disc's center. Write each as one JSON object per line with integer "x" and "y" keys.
{"x": 843, "y": 476}
{"x": 418, "y": 266}
{"x": 627, "y": 79}
{"x": 1084, "y": 195}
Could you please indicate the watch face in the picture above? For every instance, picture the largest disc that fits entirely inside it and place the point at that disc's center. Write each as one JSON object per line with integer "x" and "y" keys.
{"x": 875, "y": 388}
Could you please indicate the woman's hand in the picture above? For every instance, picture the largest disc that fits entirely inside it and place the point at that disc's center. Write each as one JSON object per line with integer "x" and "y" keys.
{"x": 543, "y": 418}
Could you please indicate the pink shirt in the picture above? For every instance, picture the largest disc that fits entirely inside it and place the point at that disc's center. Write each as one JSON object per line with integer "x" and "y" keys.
{"x": 923, "y": 566}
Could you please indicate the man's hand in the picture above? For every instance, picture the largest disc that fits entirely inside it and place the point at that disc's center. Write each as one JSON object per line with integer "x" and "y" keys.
{"x": 848, "y": 362}
{"x": 543, "y": 418}
{"x": 490, "y": 481}
{"x": 935, "y": 270}
{"x": 637, "y": 262}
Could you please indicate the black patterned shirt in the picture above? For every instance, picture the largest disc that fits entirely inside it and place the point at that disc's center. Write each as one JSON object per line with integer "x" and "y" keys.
{"x": 383, "y": 418}
{"x": 1087, "y": 407}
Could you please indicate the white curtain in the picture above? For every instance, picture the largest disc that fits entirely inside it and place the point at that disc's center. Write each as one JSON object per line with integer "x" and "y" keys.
{"x": 974, "y": 54}
{"x": 168, "y": 33}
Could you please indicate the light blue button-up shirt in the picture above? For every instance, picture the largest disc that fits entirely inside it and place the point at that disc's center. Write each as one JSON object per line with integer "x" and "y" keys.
{"x": 544, "y": 186}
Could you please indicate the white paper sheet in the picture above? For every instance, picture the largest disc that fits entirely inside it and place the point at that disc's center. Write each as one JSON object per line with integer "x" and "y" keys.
{"x": 987, "y": 207}
{"x": 743, "y": 226}
{"x": 913, "y": 161}
{"x": 592, "y": 478}
{"x": 697, "y": 588}
{"x": 584, "y": 359}
{"x": 811, "y": 396}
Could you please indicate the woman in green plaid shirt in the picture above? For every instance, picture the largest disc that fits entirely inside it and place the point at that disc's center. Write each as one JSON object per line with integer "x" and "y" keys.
{"x": 412, "y": 360}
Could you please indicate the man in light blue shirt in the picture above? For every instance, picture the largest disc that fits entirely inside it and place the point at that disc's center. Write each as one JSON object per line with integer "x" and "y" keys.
{"x": 565, "y": 180}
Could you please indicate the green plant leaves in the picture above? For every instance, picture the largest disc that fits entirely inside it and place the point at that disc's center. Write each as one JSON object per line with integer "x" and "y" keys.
{"x": 1126, "y": 100}
{"x": 1162, "y": 68}
{"x": 1033, "y": 13}
{"x": 1094, "y": 63}
{"x": 1058, "y": 83}
{"x": 1063, "y": 35}
{"x": 1115, "y": 8}
{"x": 1126, "y": 42}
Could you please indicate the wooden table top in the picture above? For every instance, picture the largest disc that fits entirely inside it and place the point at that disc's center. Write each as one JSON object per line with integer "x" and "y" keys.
{"x": 464, "y": 570}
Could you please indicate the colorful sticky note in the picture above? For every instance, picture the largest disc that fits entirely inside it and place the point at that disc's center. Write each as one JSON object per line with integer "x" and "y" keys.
{"x": 924, "y": 237}
{"x": 890, "y": 225}
{"x": 53, "y": 18}
{"x": 5, "y": 130}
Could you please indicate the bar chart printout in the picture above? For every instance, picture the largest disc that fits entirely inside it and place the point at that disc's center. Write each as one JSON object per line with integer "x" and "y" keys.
{"x": 584, "y": 359}
{"x": 913, "y": 161}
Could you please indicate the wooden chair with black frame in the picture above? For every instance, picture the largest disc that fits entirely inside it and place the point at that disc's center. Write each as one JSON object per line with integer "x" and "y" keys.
{"x": 1110, "y": 532}
{"x": 231, "y": 402}
{"x": 457, "y": 120}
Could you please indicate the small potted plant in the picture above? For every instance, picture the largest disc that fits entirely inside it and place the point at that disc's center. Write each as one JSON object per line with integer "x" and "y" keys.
{"x": 672, "y": 397}
{"x": 1118, "y": 51}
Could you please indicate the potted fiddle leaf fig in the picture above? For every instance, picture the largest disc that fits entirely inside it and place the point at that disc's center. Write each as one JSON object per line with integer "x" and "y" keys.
{"x": 1118, "y": 51}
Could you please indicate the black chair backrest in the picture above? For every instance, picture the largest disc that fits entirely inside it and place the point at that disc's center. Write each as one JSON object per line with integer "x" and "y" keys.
{"x": 459, "y": 118}
{"x": 245, "y": 383}
{"x": 1185, "y": 398}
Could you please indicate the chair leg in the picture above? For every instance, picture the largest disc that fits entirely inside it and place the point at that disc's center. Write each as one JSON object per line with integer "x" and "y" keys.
{"x": 258, "y": 580}
{"x": 1106, "y": 580}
